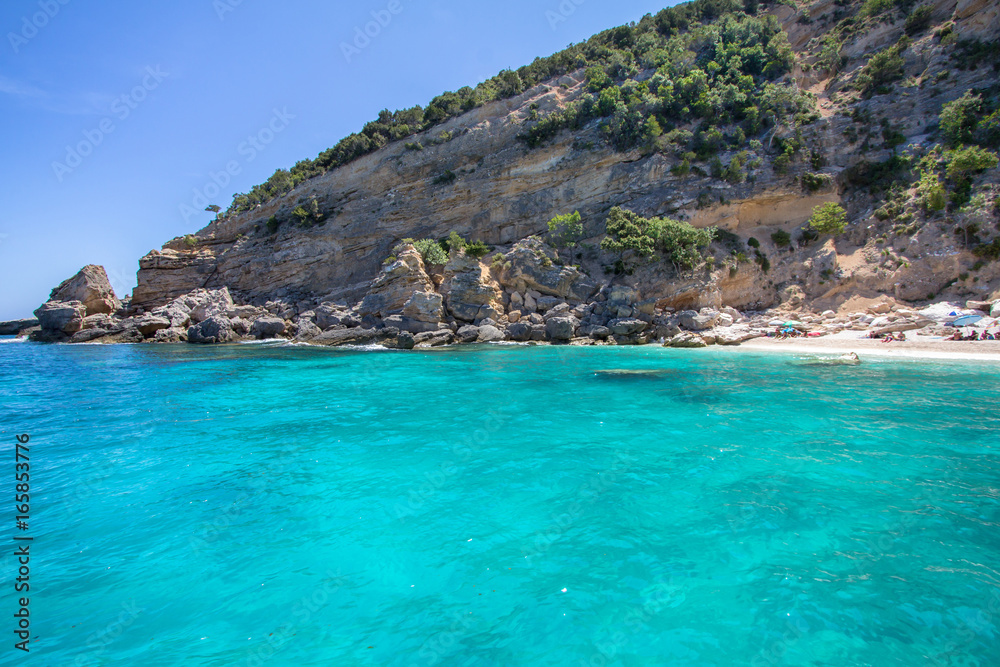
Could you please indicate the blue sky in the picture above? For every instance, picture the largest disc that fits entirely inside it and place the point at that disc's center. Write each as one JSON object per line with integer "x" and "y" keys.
{"x": 153, "y": 98}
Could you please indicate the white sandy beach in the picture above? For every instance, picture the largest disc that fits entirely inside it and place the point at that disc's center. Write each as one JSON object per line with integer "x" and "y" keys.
{"x": 915, "y": 347}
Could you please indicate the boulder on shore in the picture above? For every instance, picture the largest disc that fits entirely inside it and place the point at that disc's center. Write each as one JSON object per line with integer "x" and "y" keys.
{"x": 686, "y": 339}
{"x": 91, "y": 287}
{"x": 531, "y": 265}
{"x": 338, "y": 337}
{"x": 148, "y": 325}
{"x": 520, "y": 332}
{"x": 490, "y": 334}
{"x": 61, "y": 316}
{"x": 467, "y": 334}
{"x": 433, "y": 338}
{"x": 395, "y": 285}
{"x": 627, "y": 326}
{"x": 468, "y": 287}
{"x": 214, "y": 330}
{"x": 561, "y": 328}
{"x": 205, "y": 304}
{"x": 698, "y": 321}
{"x": 267, "y": 327}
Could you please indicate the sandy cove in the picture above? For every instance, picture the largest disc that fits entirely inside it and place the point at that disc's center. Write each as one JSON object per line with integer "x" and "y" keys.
{"x": 915, "y": 347}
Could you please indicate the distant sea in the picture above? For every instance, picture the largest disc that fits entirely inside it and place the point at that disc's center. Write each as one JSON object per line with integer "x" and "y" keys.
{"x": 280, "y": 505}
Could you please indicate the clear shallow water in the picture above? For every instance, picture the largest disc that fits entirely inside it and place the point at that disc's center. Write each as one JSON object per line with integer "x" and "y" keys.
{"x": 255, "y": 505}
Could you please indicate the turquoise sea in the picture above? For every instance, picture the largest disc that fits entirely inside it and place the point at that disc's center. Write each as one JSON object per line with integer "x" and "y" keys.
{"x": 278, "y": 505}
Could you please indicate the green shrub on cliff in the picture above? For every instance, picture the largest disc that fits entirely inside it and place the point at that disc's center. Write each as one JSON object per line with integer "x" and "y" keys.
{"x": 453, "y": 242}
{"x": 477, "y": 249}
{"x": 930, "y": 192}
{"x": 962, "y": 163}
{"x": 815, "y": 182}
{"x": 918, "y": 20}
{"x": 959, "y": 119}
{"x": 679, "y": 242}
{"x": 828, "y": 218}
{"x": 882, "y": 69}
{"x": 723, "y": 72}
{"x": 781, "y": 238}
{"x": 444, "y": 178}
{"x": 960, "y": 167}
{"x": 565, "y": 231}
{"x": 301, "y": 215}
{"x": 429, "y": 249}
{"x": 630, "y": 231}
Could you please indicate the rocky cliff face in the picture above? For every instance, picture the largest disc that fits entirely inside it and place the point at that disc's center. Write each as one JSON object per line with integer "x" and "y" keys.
{"x": 475, "y": 177}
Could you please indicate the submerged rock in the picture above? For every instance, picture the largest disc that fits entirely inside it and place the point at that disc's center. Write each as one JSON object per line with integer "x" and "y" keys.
{"x": 637, "y": 373}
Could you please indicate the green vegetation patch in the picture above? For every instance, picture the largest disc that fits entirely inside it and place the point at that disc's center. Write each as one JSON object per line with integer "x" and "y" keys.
{"x": 828, "y": 218}
{"x": 677, "y": 242}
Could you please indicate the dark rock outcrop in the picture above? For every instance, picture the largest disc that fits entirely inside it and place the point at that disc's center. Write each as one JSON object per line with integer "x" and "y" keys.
{"x": 65, "y": 317}
{"x": 15, "y": 327}
{"x": 216, "y": 329}
{"x": 267, "y": 327}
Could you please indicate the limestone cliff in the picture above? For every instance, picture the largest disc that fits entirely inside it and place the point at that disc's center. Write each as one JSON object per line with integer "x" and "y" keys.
{"x": 473, "y": 175}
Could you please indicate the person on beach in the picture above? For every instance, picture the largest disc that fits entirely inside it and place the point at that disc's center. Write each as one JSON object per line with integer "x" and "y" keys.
{"x": 901, "y": 336}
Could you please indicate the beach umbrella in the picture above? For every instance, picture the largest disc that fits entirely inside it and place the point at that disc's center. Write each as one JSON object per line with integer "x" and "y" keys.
{"x": 966, "y": 320}
{"x": 793, "y": 323}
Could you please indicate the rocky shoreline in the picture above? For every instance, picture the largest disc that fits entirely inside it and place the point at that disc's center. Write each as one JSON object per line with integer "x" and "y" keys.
{"x": 523, "y": 296}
